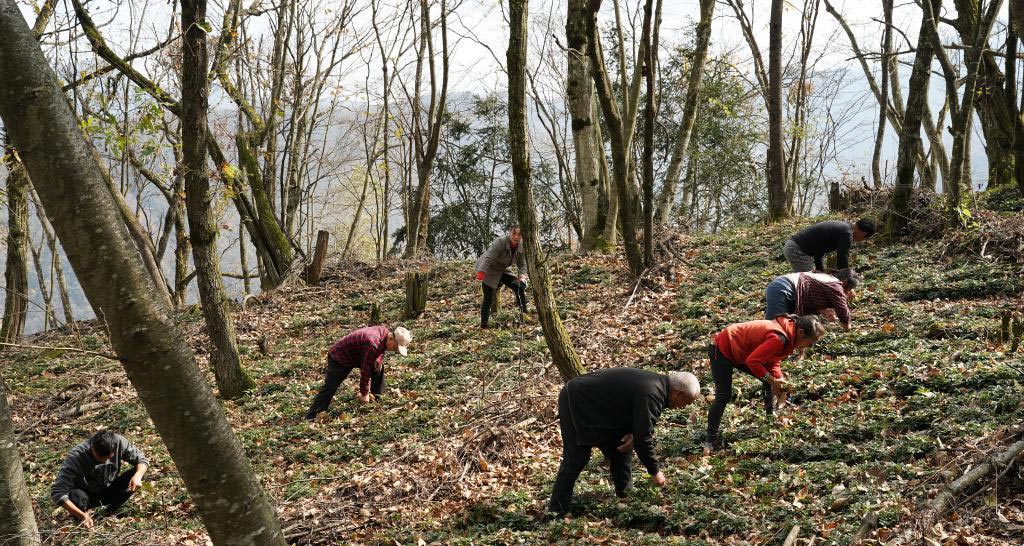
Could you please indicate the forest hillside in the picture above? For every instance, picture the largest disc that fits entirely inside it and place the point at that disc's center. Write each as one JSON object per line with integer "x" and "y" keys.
{"x": 464, "y": 446}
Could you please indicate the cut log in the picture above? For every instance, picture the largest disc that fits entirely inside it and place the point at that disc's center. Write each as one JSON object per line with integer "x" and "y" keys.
{"x": 415, "y": 293}
{"x": 316, "y": 267}
{"x": 945, "y": 500}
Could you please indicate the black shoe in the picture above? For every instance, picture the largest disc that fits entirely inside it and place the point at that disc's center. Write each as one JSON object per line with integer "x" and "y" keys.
{"x": 713, "y": 444}
{"x": 551, "y": 515}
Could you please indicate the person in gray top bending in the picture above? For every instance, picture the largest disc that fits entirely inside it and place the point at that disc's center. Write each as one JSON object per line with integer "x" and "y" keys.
{"x": 491, "y": 271}
{"x": 89, "y": 476}
{"x": 807, "y": 248}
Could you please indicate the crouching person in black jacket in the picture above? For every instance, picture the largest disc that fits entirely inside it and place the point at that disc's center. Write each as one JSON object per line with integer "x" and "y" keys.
{"x": 91, "y": 476}
{"x": 614, "y": 410}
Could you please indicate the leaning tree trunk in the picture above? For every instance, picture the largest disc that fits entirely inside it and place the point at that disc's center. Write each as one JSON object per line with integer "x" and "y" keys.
{"x": 18, "y": 524}
{"x": 149, "y": 345}
{"x": 910, "y": 135}
{"x": 619, "y": 136}
{"x": 579, "y": 92}
{"x": 16, "y": 273}
{"x": 682, "y": 137}
{"x": 562, "y": 353}
{"x": 777, "y": 208}
{"x": 232, "y": 381}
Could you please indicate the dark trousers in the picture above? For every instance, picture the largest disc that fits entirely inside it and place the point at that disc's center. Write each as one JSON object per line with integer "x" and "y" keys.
{"x": 517, "y": 287}
{"x": 721, "y": 372}
{"x": 335, "y": 374}
{"x": 575, "y": 458}
{"x": 111, "y": 496}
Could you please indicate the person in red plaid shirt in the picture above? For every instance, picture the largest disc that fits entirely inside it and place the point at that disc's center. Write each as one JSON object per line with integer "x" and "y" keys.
{"x": 363, "y": 349}
{"x": 812, "y": 294}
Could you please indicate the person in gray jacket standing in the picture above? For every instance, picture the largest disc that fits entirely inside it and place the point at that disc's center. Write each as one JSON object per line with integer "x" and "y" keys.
{"x": 491, "y": 271}
{"x": 89, "y": 476}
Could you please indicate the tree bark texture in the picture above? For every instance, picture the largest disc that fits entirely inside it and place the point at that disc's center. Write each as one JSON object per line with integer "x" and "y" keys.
{"x": 777, "y": 208}
{"x": 416, "y": 284}
{"x": 426, "y": 139}
{"x": 649, "y": 41}
{"x": 690, "y": 106}
{"x": 883, "y": 102}
{"x": 18, "y": 524}
{"x": 562, "y": 352}
{"x": 316, "y": 267}
{"x": 232, "y": 381}
{"x": 152, "y": 349}
{"x": 910, "y": 134}
{"x": 619, "y": 142}
{"x": 16, "y": 271}
{"x": 1016, "y": 30}
{"x": 579, "y": 96}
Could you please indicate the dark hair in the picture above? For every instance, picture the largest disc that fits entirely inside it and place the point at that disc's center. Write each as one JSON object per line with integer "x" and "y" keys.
{"x": 514, "y": 227}
{"x": 808, "y": 326}
{"x": 103, "y": 442}
{"x": 867, "y": 225}
{"x": 850, "y": 278}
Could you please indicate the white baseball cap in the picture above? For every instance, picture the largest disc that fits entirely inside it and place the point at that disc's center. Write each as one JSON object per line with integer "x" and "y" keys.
{"x": 403, "y": 337}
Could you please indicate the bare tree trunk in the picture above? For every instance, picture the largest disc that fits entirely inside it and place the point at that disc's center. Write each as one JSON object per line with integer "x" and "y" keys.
{"x": 608, "y": 200}
{"x": 16, "y": 271}
{"x": 426, "y": 139}
{"x": 777, "y": 209}
{"x": 18, "y": 526}
{"x": 620, "y": 145}
{"x": 232, "y": 381}
{"x": 910, "y": 135}
{"x": 150, "y": 347}
{"x": 579, "y": 95}
{"x": 37, "y": 262}
{"x": 883, "y": 103}
{"x": 1016, "y": 26}
{"x": 562, "y": 352}
{"x": 652, "y": 22}
{"x": 682, "y": 136}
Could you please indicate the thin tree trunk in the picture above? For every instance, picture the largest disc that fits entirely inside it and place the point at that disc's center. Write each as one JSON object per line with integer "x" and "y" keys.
{"x": 910, "y": 135}
{"x": 883, "y": 103}
{"x": 777, "y": 209}
{"x": 151, "y": 348}
{"x": 619, "y": 142}
{"x": 18, "y": 524}
{"x": 562, "y": 352}
{"x": 1014, "y": 29}
{"x": 690, "y": 106}
{"x": 16, "y": 271}
{"x": 426, "y": 144}
{"x": 37, "y": 262}
{"x": 652, "y": 22}
{"x": 243, "y": 258}
{"x": 232, "y": 381}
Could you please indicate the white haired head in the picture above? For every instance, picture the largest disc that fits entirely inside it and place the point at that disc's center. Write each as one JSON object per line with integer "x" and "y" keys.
{"x": 685, "y": 388}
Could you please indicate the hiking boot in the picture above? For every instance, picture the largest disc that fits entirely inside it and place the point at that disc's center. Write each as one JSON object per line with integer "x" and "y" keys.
{"x": 713, "y": 444}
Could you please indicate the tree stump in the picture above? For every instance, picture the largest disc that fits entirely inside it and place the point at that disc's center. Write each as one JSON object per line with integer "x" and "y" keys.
{"x": 316, "y": 267}
{"x": 415, "y": 293}
{"x": 375, "y": 313}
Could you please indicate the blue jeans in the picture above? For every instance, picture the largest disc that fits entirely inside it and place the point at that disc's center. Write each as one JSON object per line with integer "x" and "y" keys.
{"x": 779, "y": 297}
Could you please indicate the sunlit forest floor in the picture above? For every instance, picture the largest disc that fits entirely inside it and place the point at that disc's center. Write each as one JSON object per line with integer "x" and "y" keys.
{"x": 464, "y": 446}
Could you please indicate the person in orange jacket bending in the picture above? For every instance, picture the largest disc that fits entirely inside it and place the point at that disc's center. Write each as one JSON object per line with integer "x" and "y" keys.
{"x": 756, "y": 347}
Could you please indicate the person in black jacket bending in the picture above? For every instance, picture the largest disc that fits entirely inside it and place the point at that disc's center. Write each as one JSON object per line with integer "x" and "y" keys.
{"x": 614, "y": 410}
